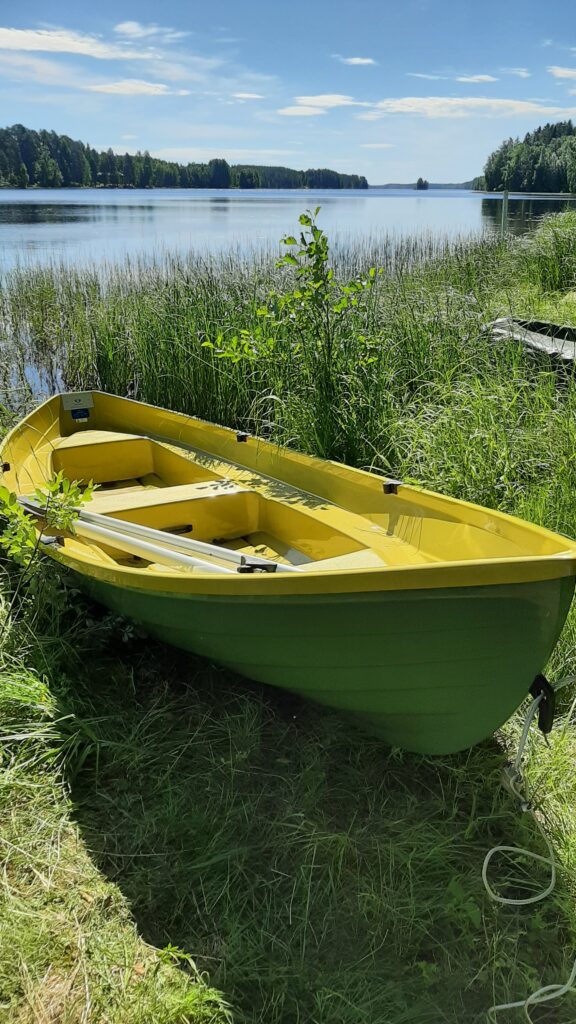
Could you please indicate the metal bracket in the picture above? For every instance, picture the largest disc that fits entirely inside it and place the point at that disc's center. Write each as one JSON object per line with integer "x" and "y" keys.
{"x": 391, "y": 486}
{"x": 541, "y": 688}
{"x": 248, "y": 565}
{"x": 51, "y": 541}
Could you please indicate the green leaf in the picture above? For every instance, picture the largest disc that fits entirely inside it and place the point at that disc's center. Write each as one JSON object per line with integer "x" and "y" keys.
{"x": 473, "y": 912}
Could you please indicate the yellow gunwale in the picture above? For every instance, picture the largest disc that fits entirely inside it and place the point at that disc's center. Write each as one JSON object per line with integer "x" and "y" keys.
{"x": 434, "y": 576}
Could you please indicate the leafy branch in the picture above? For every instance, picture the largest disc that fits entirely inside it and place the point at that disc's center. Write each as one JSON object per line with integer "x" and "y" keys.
{"x": 60, "y": 500}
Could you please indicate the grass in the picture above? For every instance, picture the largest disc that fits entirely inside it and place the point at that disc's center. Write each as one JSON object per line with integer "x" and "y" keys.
{"x": 315, "y": 877}
{"x": 71, "y": 952}
{"x": 157, "y": 808}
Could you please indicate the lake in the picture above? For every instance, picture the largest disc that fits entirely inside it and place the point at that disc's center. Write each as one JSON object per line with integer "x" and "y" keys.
{"x": 90, "y": 225}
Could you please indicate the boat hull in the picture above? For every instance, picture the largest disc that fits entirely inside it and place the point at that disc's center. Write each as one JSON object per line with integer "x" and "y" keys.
{"x": 432, "y": 671}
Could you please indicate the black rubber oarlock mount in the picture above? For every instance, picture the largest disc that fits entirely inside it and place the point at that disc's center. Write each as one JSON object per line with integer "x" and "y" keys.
{"x": 541, "y": 687}
{"x": 391, "y": 486}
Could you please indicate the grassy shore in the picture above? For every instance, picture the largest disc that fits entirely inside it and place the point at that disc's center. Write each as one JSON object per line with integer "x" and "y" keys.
{"x": 169, "y": 827}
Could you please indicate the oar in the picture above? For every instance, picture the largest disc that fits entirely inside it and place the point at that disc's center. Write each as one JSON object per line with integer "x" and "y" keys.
{"x": 187, "y": 545}
{"x": 144, "y": 549}
{"x": 159, "y": 541}
{"x": 132, "y": 545}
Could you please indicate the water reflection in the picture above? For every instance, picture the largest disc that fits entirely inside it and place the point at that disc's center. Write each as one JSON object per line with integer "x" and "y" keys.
{"x": 523, "y": 214}
{"x": 46, "y": 213}
{"x": 220, "y": 204}
{"x": 81, "y": 226}
{"x": 27, "y": 374}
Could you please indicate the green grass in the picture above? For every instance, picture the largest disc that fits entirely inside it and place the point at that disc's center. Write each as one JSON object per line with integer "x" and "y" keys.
{"x": 316, "y": 877}
{"x": 70, "y": 948}
{"x": 313, "y": 876}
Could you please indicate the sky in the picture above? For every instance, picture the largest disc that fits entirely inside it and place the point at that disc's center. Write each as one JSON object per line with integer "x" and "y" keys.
{"x": 393, "y": 91}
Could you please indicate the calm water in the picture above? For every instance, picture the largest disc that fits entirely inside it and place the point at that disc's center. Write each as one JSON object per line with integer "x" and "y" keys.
{"x": 87, "y": 225}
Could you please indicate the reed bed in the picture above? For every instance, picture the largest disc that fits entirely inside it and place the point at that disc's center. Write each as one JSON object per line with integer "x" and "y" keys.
{"x": 310, "y": 875}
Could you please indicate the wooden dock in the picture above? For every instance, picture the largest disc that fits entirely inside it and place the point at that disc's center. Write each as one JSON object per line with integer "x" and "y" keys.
{"x": 555, "y": 340}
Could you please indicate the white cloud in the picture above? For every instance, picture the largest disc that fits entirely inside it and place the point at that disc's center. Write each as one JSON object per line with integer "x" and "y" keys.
{"x": 432, "y": 78}
{"x": 450, "y": 106}
{"x": 22, "y": 67}
{"x": 63, "y": 41}
{"x": 31, "y": 56}
{"x": 561, "y": 72}
{"x": 377, "y": 145}
{"x": 519, "y": 72}
{"x": 327, "y": 100}
{"x": 135, "y": 30}
{"x": 475, "y": 78}
{"x": 136, "y": 87}
{"x": 301, "y": 111}
{"x": 311, "y": 106}
{"x": 452, "y": 78}
{"x": 188, "y": 68}
{"x": 357, "y": 60}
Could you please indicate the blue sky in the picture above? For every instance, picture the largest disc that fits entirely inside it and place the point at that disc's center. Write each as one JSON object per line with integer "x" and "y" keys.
{"x": 389, "y": 90}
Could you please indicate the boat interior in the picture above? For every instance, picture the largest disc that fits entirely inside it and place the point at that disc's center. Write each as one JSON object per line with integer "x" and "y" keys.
{"x": 183, "y": 490}
{"x": 147, "y": 482}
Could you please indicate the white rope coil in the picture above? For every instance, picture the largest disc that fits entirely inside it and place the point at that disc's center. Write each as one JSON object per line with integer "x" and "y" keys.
{"x": 514, "y": 782}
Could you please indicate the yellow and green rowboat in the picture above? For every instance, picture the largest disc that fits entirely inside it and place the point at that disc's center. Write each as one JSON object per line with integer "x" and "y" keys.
{"x": 425, "y": 618}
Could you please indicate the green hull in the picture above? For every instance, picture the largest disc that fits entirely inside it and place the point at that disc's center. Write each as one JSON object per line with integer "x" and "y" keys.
{"x": 432, "y": 671}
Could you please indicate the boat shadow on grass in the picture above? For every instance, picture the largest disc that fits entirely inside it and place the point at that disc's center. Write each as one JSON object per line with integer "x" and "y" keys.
{"x": 315, "y": 874}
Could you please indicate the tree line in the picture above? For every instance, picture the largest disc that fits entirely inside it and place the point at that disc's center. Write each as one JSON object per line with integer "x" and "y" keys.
{"x": 44, "y": 159}
{"x": 544, "y": 161}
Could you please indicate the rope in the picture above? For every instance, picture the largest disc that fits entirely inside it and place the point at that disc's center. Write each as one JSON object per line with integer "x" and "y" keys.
{"x": 542, "y": 995}
{"x": 514, "y": 782}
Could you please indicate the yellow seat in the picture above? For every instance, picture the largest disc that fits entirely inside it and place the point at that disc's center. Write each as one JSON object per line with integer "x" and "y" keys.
{"x": 109, "y": 458}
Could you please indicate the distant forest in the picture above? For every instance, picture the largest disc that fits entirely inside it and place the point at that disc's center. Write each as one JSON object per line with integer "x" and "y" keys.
{"x": 545, "y": 161}
{"x": 46, "y": 160}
